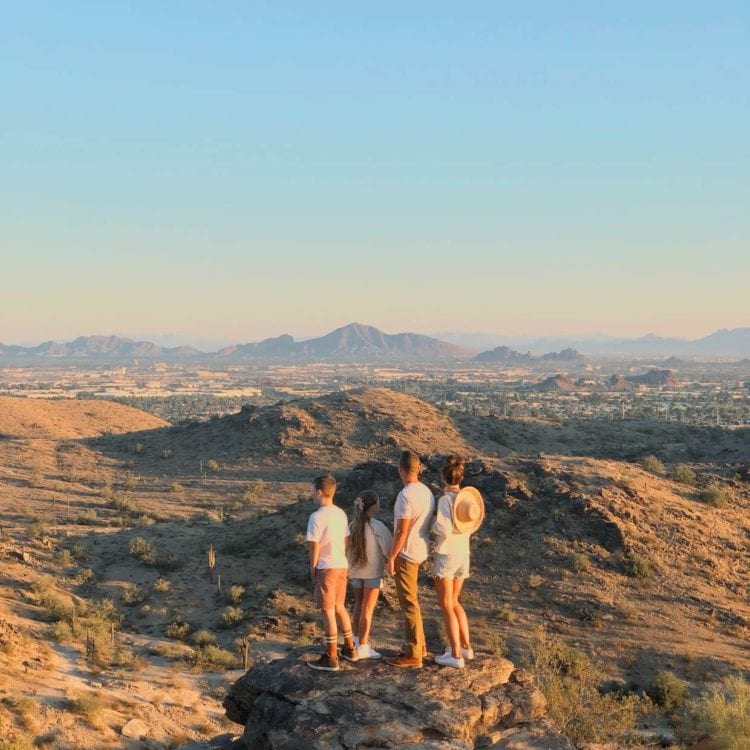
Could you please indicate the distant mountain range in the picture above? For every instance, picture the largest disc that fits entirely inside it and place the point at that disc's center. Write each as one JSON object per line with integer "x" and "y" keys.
{"x": 351, "y": 342}
{"x": 723, "y": 343}
{"x": 361, "y": 342}
{"x": 506, "y": 355}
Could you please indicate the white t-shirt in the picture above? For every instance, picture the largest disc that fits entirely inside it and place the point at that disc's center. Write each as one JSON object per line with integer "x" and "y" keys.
{"x": 415, "y": 501}
{"x": 329, "y": 527}
{"x": 378, "y": 539}
{"x": 447, "y": 542}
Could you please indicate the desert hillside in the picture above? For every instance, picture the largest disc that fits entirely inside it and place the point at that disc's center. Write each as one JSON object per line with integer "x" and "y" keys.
{"x": 70, "y": 418}
{"x": 331, "y": 432}
{"x": 109, "y": 609}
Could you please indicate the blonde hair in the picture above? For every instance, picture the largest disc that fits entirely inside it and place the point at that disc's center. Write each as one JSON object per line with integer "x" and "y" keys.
{"x": 358, "y": 541}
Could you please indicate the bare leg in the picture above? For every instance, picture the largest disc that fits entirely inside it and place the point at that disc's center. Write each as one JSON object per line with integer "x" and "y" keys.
{"x": 346, "y": 625}
{"x": 357, "y": 616}
{"x": 444, "y": 588}
{"x": 369, "y": 600}
{"x": 460, "y": 614}
{"x": 331, "y": 633}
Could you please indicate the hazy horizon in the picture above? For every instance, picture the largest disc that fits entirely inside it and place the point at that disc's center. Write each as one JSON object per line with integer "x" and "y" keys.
{"x": 240, "y": 171}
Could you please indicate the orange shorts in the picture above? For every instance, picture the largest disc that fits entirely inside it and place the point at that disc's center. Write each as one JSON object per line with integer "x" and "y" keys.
{"x": 330, "y": 587}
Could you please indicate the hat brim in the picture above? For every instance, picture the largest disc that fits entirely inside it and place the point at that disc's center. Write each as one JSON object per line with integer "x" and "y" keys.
{"x": 473, "y": 495}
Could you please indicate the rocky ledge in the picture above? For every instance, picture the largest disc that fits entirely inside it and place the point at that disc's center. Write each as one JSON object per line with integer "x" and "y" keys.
{"x": 285, "y": 705}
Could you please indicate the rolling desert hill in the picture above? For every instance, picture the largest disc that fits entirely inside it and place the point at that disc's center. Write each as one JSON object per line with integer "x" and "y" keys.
{"x": 331, "y": 432}
{"x": 70, "y": 418}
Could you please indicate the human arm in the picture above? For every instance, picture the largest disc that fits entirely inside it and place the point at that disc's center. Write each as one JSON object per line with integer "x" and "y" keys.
{"x": 403, "y": 525}
{"x": 314, "y": 552}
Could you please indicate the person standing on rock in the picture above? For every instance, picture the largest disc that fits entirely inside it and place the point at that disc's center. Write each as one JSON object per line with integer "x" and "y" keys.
{"x": 369, "y": 545}
{"x": 327, "y": 533}
{"x": 459, "y": 515}
{"x": 412, "y": 516}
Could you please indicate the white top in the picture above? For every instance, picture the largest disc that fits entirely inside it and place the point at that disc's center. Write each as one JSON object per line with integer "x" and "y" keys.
{"x": 415, "y": 502}
{"x": 329, "y": 527}
{"x": 378, "y": 539}
{"x": 447, "y": 541}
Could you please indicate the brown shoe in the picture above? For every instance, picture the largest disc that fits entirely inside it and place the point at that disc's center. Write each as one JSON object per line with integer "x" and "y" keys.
{"x": 405, "y": 662}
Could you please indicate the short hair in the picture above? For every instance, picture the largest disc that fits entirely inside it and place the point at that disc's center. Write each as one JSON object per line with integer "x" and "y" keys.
{"x": 410, "y": 462}
{"x": 325, "y": 484}
{"x": 453, "y": 469}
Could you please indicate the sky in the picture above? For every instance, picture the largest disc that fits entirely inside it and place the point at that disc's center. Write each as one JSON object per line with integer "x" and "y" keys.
{"x": 246, "y": 169}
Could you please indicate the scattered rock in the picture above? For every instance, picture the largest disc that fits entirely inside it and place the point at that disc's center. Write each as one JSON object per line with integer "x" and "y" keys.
{"x": 135, "y": 729}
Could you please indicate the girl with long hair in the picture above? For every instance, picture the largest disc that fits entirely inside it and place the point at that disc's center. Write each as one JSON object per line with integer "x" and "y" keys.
{"x": 369, "y": 545}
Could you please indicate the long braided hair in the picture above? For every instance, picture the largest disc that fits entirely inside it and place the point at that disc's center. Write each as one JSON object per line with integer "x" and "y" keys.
{"x": 358, "y": 542}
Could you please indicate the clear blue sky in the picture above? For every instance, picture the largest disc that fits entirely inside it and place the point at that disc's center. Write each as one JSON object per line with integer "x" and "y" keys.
{"x": 247, "y": 169}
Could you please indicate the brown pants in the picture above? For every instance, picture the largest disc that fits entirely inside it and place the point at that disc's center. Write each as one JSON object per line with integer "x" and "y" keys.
{"x": 407, "y": 589}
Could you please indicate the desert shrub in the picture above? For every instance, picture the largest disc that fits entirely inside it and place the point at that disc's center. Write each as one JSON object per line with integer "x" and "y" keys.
{"x": 653, "y": 465}
{"x": 535, "y": 581}
{"x": 87, "y": 518}
{"x": 570, "y": 682}
{"x": 231, "y": 617}
{"x": 123, "y": 504}
{"x": 668, "y": 690}
{"x": 639, "y": 566}
{"x": 130, "y": 482}
{"x": 723, "y": 714}
{"x": 254, "y": 491}
{"x": 579, "y": 562}
{"x": 88, "y": 705}
{"x": 213, "y": 465}
{"x": 505, "y": 613}
{"x": 38, "y": 530}
{"x": 176, "y": 488}
{"x": 169, "y": 563}
{"x": 143, "y": 551}
{"x": 203, "y": 638}
{"x": 235, "y": 594}
{"x": 683, "y": 474}
{"x": 177, "y": 630}
{"x": 167, "y": 453}
{"x": 138, "y": 448}
{"x": 715, "y": 496}
{"x": 162, "y": 585}
{"x": 106, "y": 492}
{"x": 134, "y": 595}
{"x": 213, "y": 657}
{"x": 78, "y": 552}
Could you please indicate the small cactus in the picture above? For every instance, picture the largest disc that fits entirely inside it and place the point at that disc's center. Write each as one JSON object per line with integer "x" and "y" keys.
{"x": 211, "y": 562}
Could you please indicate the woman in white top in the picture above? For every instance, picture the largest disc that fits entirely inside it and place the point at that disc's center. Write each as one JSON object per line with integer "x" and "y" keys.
{"x": 451, "y": 568}
{"x": 369, "y": 545}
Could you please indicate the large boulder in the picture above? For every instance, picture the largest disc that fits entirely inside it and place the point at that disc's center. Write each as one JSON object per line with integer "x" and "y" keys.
{"x": 285, "y": 705}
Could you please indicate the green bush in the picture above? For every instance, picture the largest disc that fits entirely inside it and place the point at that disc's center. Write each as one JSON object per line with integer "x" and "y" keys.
{"x": 143, "y": 551}
{"x": 162, "y": 585}
{"x": 723, "y": 714}
{"x": 683, "y": 474}
{"x": 570, "y": 682}
{"x": 639, "y": 566}
{"x": 653, "y": 465}
{"x": 177, "y": 630}
{"x": 231, "y": 617}
{"x": 235, "y": 594}
{"x": 715, "y": 496}
{"x": 213, "y": 657}
{"x": 668, "y": 690}
{"x": 204, "y": 638}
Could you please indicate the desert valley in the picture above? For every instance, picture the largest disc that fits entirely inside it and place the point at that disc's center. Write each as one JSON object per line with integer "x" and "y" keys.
{"x": 153, "y": 543}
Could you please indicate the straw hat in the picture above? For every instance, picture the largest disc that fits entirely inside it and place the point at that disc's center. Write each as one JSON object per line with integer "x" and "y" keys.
{"x": 468, "y": 511}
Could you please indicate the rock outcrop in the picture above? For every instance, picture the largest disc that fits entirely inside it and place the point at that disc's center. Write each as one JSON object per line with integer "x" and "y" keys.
{"x": 285, "y": 705}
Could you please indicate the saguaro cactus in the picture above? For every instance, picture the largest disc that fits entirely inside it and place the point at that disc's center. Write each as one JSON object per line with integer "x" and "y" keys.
{"x": 211, "y": 562}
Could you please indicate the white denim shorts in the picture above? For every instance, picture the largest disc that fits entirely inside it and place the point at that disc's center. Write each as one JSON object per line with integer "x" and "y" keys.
{"x": 450, "y": 566}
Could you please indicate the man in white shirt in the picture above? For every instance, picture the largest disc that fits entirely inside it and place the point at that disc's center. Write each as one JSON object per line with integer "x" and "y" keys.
{"x": 327, "y": 532}
{"x": 413, "y": 512}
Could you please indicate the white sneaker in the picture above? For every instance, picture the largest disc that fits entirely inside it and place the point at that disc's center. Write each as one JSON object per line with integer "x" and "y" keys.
{"x": 467, "y": 653}
{"x": 366, "y": 651}
{"x": 448, "y": 660}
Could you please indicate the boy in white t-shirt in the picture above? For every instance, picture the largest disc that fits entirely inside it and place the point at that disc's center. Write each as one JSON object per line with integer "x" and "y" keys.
{"x": 413, "y": 512}
{"x": 327, "y": 536}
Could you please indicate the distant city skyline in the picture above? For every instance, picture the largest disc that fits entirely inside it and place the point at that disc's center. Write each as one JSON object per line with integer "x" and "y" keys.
{"x": 237, "y": 171}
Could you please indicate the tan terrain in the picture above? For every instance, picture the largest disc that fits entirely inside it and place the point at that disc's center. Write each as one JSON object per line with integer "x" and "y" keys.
{"x": 110, "y": 611}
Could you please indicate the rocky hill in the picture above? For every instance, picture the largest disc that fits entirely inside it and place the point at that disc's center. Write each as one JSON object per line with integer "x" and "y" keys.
{"x": 337, "y": 430}
{"x": 561, "y": 383}
{"x": 505, "y": 354}
{"x": 655, "y": 377}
